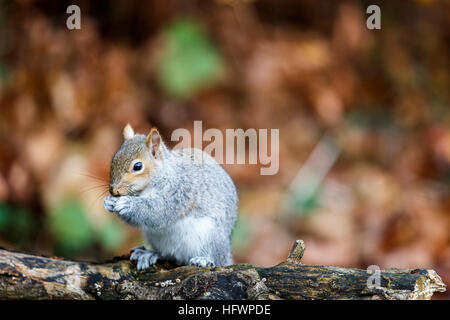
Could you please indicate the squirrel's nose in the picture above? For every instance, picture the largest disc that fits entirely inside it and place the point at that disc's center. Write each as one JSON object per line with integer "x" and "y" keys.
{"x": 113, "y": 191}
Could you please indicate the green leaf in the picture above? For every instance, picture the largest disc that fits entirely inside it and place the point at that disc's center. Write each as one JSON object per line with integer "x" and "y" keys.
{"x": 111, "y": 236}
{"x": 69, "y": 225}
{"x": 22, "y": 223}
{"x": 5, "y": 216}
{"x": 241, "y": 233}
{"x": 301, "y": 204}
{"x": 16, "y": 223}
{"x": 190, "y": 61}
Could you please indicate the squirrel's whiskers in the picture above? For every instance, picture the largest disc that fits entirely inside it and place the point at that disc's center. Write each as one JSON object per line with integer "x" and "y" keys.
{"x": 102, "y": 188}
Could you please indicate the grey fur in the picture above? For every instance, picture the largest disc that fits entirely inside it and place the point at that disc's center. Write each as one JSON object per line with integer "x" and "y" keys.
{"x": 186, "y": 212}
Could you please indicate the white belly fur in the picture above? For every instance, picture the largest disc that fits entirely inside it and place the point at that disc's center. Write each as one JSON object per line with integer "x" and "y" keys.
{"x": 185, "y": 239}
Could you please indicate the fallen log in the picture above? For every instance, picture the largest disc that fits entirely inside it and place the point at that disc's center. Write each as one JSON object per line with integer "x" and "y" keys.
{"x": 24, "y": 276}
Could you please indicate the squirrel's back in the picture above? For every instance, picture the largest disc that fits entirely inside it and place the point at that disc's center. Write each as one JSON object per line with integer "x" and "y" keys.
{"x": 213, "y": 183}
{"x": 208, "y": 222}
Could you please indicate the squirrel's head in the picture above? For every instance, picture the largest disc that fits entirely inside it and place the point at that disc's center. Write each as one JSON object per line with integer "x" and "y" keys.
{"x": 134, "y": 163}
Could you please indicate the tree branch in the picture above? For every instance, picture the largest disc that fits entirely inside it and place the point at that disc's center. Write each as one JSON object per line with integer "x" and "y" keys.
{"x": 24, "y": 276}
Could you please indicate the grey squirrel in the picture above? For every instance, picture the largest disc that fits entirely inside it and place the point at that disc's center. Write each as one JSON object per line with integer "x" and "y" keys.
{"x": 182, "y": 199}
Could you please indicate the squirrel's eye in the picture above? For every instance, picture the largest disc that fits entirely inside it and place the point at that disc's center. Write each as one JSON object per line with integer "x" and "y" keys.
{"x": 137, "y": 166}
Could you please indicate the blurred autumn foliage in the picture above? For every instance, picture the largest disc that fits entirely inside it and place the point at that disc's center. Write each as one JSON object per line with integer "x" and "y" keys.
{"x": 309, "y": 68}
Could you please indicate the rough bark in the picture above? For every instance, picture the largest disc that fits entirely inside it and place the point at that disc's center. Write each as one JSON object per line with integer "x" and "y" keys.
{"x": 24, "y": 276}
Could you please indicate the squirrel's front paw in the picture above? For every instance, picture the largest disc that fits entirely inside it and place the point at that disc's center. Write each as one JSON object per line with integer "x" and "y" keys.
{"x": 123, "y": 205}
{"x": 145, "y": 258}
{"x": 110, "y": 203}
{"x": 202, "y": 262}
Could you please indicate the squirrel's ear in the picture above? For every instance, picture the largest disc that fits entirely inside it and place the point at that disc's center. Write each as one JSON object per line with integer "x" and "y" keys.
{"x": 153, "y": 142}
{"x": 128, "y": 132}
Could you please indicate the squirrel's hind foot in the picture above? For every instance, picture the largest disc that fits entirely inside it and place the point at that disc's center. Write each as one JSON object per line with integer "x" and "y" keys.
{"x": 202, "y": 262}
{"x": 145, "y": 258}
